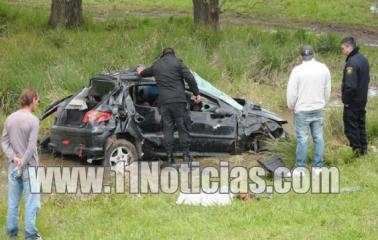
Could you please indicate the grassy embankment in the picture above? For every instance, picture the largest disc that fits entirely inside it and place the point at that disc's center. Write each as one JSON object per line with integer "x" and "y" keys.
{"x": 242, "y": 61}
{"x": 349, "y": 12}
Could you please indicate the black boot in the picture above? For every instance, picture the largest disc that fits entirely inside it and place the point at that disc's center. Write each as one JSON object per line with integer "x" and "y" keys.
{"x": 187, "y": 158}
{"x": 170, "y": 158}
{"x": 356, "y": 152}
{"x": 363, "y": 150}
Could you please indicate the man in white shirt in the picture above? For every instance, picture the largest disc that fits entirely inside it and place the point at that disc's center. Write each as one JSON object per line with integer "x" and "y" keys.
{"x": 308, "y": 92}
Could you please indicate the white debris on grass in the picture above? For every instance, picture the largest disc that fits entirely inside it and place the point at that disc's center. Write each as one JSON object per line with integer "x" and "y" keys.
{"x": 205, "y": 199}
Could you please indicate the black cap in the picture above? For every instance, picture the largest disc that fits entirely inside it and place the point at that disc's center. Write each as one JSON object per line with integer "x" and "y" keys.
{"x": 307, "y": 52}
{"x": 349, "y": 41}
{"x": 168, "y": 50}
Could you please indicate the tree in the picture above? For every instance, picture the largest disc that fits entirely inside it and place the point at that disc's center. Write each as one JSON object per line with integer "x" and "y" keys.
{"x": 206, "y": 13}
{"x": 67, "y": 13}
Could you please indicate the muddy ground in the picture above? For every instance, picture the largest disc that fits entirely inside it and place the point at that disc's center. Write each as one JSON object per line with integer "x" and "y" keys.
{"x": 367, "y": 35}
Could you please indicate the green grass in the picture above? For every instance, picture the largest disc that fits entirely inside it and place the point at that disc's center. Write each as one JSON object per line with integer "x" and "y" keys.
{"x": 243, "y": 61}
{"x": 292, "y": 216}
{"x": 58, "y": 62}
{"x": 337, "y": 11}
{"x": 336, "y": 144}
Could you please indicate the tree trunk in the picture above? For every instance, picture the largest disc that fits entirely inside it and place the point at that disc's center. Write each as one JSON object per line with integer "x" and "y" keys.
{"x": 66, "y": 13}
{"x": 206, "y": 13}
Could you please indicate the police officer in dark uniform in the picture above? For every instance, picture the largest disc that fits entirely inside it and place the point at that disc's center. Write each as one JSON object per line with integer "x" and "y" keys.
{"x": 354, "y": 95}
{"x": 170, "y": 73}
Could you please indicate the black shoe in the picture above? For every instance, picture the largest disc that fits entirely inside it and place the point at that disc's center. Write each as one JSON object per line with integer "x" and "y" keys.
{"x": 363, "y": 151}
{"x": 356, "y": 152}
{"x": 187, "y": 158}
{"x": 170, "y": 159}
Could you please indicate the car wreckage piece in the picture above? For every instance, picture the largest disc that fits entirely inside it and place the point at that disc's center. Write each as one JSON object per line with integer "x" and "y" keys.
{"x": 116, "y": 118}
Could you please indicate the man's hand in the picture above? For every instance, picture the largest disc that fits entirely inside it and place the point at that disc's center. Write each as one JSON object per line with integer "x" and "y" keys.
{"x": 17, "y": 160}
{"x": 197, "y": 99}
{"x": 139, "y": 69}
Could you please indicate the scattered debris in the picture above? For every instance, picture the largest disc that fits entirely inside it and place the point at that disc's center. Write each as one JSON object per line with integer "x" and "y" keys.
{"x": 248, "y": 196}
{"x": 374, "y": 149}
{"x": 373, "y": 92}
{"x": 352, "y": 189}
{"x": 373, "y": 8}
{"x": 272, "y": 164}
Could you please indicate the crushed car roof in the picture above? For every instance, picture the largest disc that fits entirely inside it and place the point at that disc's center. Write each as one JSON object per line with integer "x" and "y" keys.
{"x": 123, "y": 76}
{"x": 203, "y": 85}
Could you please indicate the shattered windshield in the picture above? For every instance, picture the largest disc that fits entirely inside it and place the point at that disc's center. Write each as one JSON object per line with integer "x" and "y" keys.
{"x": 207, "y": 87}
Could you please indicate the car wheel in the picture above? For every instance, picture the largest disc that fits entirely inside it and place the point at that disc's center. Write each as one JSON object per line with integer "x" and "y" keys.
{"x": 44, "y": 145}
{"x": 119, "y": 150}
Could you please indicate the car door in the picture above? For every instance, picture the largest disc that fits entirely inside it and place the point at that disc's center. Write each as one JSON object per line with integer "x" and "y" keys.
{"x": 212, "y": 130}
{"x": 145, "y": 98}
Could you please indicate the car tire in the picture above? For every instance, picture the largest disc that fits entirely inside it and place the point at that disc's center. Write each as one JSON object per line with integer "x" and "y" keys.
{"x": 119, "y": 150}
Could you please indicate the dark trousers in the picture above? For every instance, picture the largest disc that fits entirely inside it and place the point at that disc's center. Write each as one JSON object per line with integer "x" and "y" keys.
{"x": 176, "y": 114}
{"x": 354, "y": 127}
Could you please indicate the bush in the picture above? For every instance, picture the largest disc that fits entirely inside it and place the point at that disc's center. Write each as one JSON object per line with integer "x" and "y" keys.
{"x": 372, "y": 120}
{"x": 328, "y": 44}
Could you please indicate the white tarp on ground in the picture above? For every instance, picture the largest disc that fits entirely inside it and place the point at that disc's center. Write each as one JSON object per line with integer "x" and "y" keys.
{"x": 205, "y": 199}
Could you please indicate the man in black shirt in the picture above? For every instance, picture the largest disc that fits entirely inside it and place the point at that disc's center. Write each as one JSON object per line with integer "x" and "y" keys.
{"x": 170, "y": 73}
{"x": 354, "y": 95}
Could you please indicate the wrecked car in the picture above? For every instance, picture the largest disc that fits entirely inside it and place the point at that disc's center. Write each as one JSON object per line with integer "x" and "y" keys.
{"x": 116, "y": 118}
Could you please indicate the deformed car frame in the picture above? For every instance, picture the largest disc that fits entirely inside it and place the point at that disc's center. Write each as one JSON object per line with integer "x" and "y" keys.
{"x": 116, "y": 118}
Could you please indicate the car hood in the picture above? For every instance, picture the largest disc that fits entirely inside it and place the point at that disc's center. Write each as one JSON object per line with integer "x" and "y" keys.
{"x": 251, "y": 109}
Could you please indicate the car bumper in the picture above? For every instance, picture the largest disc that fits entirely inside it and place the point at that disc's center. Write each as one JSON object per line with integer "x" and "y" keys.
{"x": 82, "y": 142}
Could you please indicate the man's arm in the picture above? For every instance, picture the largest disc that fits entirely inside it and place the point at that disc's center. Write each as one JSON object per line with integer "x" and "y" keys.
{"x": 5, "y": 144}
{"x": 32, "y": 144}
{"x": 350, "y": 83}
{"x": 189, "y": 78}
{"x": 327, "y": 90}
{"x": 147, "y": 72}
{"x": 292, "y": 90}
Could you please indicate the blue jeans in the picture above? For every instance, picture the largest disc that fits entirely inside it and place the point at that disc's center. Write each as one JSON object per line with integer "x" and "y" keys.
{"x": 313, "y": 121}
{"x": 32, "y": 205}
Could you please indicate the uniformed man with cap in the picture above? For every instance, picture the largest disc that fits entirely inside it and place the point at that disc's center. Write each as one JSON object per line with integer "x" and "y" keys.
{"x": 354, "y": 95}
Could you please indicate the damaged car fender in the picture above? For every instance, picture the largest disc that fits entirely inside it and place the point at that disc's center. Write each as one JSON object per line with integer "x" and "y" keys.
{"x": 257, "y": 124}
{"x": 126, "y": 126}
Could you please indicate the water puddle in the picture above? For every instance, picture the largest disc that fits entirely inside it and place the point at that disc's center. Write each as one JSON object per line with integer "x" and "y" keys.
{"x": 372, "y": 92}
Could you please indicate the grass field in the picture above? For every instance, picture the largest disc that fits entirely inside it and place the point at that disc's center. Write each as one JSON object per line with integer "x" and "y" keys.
{"x": 293, "y": 216}
{"x": 243, "y": 61}
{"x": 336, "y": 11}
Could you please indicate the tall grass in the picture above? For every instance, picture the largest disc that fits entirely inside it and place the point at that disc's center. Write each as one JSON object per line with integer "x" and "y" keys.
{"x": 372, "y": 120}
{"x": 337, "y": 149}
{"x": 243, "y": 61}
{"x": 336, "y": 11}
{"x": 63, "y": 60}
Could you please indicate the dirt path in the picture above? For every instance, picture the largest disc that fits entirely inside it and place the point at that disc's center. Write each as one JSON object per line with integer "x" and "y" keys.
{"x": 367, "y": 35}
{"x": 364, "y": 34}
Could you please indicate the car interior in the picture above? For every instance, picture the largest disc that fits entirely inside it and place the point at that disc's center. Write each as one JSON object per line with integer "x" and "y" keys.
{"x": 97, "y": 91}
{"x": 89, "y": 97}
{"x": 147, "y": 96}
